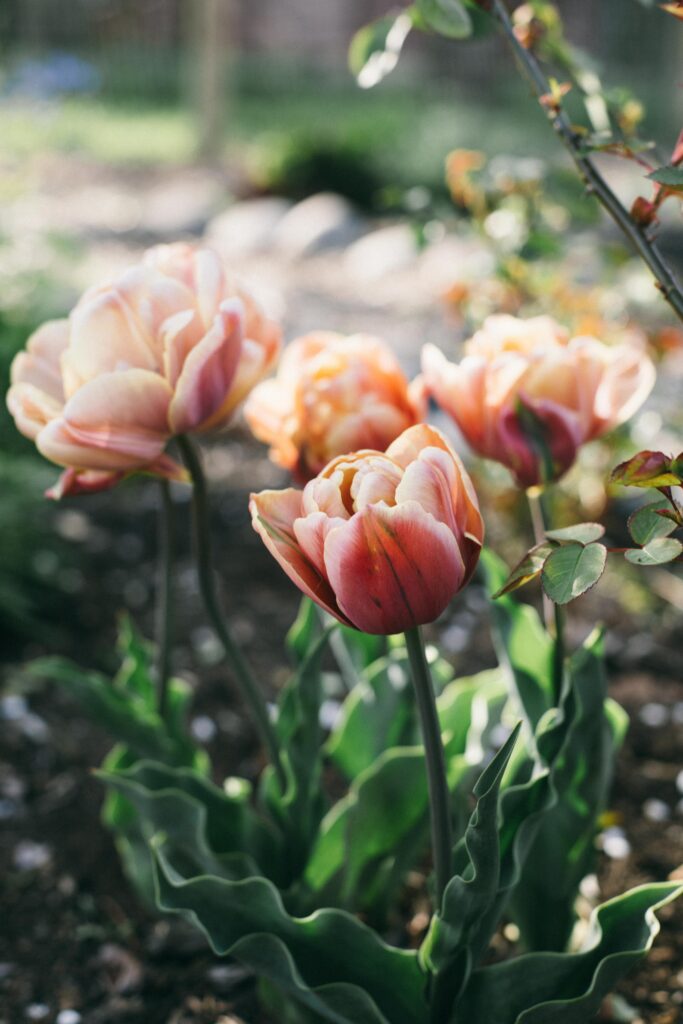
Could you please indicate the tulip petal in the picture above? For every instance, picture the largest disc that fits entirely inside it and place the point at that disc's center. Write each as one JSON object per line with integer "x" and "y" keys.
{"x": 31, "y": 408}
{"x": 393, "y": 568}
{"x": 39, "y": 364}
{"x": 117, "y": 421}
{"x": 273, "y": 514}
{"x": 202, "y": 397}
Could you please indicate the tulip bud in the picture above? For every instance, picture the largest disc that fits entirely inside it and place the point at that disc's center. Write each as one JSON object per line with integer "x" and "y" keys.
{"x": 332, "y": 395}
{"x": 171, "y": 346}
{"x": 382, "y": 541}
{"x": 524, "y": 389}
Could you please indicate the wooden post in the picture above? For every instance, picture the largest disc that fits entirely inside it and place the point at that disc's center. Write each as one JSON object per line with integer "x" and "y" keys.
{"x": 208, "y": 21}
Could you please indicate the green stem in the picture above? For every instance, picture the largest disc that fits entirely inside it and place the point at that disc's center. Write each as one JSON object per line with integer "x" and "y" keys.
{"x": 595, "y": 183}
{"x": 207, "y": 583}
{"x": 553, "y": 613}
{"x": 165, "y": 601}
{"x": 439, "y": 797}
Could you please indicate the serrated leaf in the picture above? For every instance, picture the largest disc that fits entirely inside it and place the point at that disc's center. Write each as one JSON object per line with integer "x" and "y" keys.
{"x": 376, "y": 48}
{"x": 646, "y": 524}
{"x": 569, "y": 988}
{"x": 447, "y": 17}
{"x": 582, "y": 533}
{"x": 647, "y": 469}
{"x": 572, "y": 570}
{"x": 671, "y": 177}
{"x": 334, "y": 964}
{"x": 657, "y": 552}
{"x": 526, "y": 570}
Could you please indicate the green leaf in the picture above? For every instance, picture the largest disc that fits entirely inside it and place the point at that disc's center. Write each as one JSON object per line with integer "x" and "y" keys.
{"x": 671, "y": 177}
{"x": 657, "y": 552}
{"x": 647, "y": 523}
{"x": 526, "y": 570}
{"x": 330, "y": 961}
{"x": 298, "y": 811}
{"x": 304, "y": 631}
{"x": 572, "y": 570}
{"x": 569, "y": 988}
{"x": 523, "y": 646}
{"x": 376, "y": 48}
{"x": 582, "y": 533}
{"x": 447, "y": 17}
{"x": 135, "y": 675}
{"x": 578, "y": 744}
{"x": 214, "y": 830}
{"x": 377, "y": 715}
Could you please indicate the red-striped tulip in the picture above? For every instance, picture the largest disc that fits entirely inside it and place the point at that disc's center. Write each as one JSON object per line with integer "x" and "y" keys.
{"x": 519, "y": 378}
{"x": 169, "y": 347}
{"x": 381, "y": 540}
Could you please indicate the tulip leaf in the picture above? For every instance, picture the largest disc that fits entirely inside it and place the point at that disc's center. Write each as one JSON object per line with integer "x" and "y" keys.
{"x": 671, "y": 177}
{"x": 523, "y": 646}
{"x": 572, "y": 570}
{"x": 299, "y": 810}
{"x": 578, "y": 744}
{"x": 658, "y": 551}
{"x": 376, "y": 48}
{"x": 330, "y": 961}
{"x": 651, "y": 521}
{"x": 526, "y": 570}
{"x": 582, "y": 533}
{"x": 568, "y": 988}
{"x": 447, "y": 17}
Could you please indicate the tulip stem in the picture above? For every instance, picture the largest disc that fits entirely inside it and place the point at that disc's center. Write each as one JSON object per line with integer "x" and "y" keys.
{"x": 553, "y": 613}
{"x": 207, "y": 584}
{"x": 439, "y": 796}
{"x": 165, "y": 601}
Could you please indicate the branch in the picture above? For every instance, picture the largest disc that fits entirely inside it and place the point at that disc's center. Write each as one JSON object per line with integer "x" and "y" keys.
{"x": 595, "y": 183}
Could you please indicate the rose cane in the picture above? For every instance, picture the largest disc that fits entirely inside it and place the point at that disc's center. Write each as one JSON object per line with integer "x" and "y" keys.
{"x": 383, "y": 541}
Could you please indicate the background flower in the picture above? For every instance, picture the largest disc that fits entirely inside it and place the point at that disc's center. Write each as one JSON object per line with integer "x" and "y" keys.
{"x": 382, "y": 541}
{"x": 520, "y": 377}
{"x": 170, "y": 346}
{"x": 331, "y": 395}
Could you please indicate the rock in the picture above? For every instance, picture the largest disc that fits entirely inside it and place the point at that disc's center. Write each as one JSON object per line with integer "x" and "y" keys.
{"x": 382, "y": 252}
{"x": 181, "y": 207}
{"x": 247, "y": 227}
{"x": 323, "y": 221}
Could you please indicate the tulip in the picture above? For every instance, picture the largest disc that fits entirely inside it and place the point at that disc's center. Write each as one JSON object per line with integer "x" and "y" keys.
{"x": 528, "y": 395}
{"x": 332, "y": 395}
{"x": 382, "y": 541}
{"x": 169, "y": 347}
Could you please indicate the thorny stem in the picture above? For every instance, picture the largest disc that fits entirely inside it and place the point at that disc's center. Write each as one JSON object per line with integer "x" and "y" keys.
{"x": 553, "y": 613}
{"x": 165, "y": 601}
{"x": 207, "y": 584}
{"x": 439, "y": 797}
{"x": 595, "y": 183}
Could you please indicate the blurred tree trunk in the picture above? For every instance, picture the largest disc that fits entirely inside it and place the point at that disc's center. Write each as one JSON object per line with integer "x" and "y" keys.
{"x": 208, "y": 37}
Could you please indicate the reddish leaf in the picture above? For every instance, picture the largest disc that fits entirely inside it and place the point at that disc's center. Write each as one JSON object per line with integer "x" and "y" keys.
{"x": 648, "y": 469}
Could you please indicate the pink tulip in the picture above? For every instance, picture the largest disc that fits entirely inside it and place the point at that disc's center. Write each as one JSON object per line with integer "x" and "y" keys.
{"x": 332, "y": 395}
{"x": 171, "y": 346}
{"x": 521, "y": 376}
{"x": 382, "y": 541}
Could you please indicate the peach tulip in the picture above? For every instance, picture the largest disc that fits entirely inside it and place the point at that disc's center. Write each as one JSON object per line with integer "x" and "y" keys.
{"x": 524, "y": 377}
{"x": 170, "y": 346}
{"x": 332, "y": 395}
{"x": 382, "y": 541}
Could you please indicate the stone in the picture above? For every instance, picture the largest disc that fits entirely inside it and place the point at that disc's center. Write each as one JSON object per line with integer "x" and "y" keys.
{"x": 323, "y": 221}
{"x": 247, "y": 227}
{"x": 382, "y": 252}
